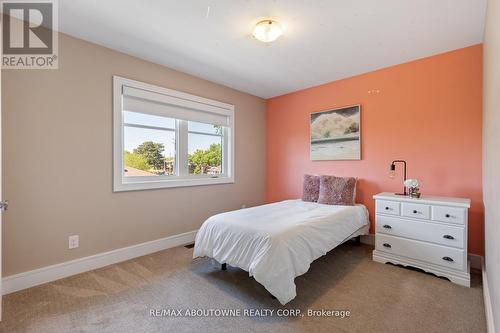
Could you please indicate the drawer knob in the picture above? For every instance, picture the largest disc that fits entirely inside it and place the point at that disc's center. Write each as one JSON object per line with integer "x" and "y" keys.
{"x": 448, "y": 237}
{"x": 448, "y": 215}
{"x": 415, "y": 212}
{"x": 387, "y": 208}
{"x": 387, "y": 226}
{"x": 387, "y": 245}
{"x": 447, "y": 259}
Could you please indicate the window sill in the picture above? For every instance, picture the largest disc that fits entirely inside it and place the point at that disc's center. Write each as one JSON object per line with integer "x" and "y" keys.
{"x": 148, "y": 185}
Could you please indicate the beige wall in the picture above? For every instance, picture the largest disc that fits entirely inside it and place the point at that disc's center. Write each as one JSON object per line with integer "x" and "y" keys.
{"x": 491, "y": 153}
{"x": 58, "y": 160}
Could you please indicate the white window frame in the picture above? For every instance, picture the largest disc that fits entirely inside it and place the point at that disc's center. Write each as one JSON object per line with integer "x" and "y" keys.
{"x": 182, "y": 177}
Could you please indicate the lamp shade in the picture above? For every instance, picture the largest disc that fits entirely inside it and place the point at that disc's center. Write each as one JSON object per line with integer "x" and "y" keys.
{"x": 267, "y": 31}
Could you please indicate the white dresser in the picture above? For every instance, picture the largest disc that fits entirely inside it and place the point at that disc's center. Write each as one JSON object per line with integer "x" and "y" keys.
{"x": 429, "y": 233}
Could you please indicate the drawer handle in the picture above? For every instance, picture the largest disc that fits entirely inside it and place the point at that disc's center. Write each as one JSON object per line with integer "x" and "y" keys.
{"x": 448, "y": 259}
{"x": 448, "y": 215}
{"x": 415, "y": 212}
{"x": 387, "y": 245}
{"x": 387, "y": 226}
{"x": 387, "y": 208}
{"x": 448, "y": 237}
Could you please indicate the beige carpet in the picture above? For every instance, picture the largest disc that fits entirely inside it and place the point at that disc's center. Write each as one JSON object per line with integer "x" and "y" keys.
{"x": 118, "y": 298}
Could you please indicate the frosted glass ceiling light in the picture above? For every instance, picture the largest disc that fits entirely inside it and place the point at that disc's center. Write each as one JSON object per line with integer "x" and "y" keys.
{"x": 267, "y": 31}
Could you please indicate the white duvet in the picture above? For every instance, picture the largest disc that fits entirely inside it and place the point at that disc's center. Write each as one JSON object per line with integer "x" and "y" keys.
{"x": 277, "y": 242}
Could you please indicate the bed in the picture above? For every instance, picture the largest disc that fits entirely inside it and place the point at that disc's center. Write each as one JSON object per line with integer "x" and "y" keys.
{"x": 277, "y": 242}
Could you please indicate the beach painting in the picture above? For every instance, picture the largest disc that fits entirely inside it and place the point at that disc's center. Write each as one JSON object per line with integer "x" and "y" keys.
{"x": 336, "y": 134}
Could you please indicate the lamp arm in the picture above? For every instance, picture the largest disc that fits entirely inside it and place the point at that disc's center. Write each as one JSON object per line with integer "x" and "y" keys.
{"x": 404, "y": 172}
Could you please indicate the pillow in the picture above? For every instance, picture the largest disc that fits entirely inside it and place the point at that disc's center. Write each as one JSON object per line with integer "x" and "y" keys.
{"x": 310, "y": 188}
{"x": 337, "y": 190}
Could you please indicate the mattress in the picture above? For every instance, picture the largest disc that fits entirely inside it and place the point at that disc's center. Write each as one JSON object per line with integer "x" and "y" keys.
{"x": 277, "y": 242}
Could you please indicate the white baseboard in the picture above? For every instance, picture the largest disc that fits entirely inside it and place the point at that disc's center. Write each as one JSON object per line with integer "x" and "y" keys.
{"x": 42, "y": 275}
{"x": 475, "y": 260}
{"x": 490, "y": 327}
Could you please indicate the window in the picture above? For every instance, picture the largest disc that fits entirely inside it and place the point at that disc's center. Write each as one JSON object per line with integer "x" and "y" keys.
{"x": 165, "y": 138}
{"x": 205, "y": 142}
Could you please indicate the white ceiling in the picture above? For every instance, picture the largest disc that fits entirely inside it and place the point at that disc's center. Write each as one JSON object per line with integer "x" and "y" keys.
{"x": 324, "y": 40}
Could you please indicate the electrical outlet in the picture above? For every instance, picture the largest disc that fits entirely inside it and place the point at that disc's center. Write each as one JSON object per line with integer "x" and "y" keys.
{"x": 243, "y": 206}
{"x": 73, "y": 241}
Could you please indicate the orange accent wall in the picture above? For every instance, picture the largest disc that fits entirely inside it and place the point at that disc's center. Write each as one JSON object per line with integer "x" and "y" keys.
{"x": 428, "y": 112}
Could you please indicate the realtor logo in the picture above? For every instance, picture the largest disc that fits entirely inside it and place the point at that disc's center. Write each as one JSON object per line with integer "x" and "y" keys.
{"x": 29, "y": 34}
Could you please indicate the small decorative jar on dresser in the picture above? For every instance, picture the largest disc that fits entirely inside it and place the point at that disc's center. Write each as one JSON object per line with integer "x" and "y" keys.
{"x": 429, "y": 233}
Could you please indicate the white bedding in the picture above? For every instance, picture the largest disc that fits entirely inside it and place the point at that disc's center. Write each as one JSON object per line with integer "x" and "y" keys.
{"x": 277, "y": 242}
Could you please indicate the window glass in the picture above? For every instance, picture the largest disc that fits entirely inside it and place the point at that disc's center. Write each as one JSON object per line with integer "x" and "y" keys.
{"x": 205, "y": 150}
{"x": 136, "y": 118}
{"x": 148, "y": 152}
{"x": 194, "y": 126}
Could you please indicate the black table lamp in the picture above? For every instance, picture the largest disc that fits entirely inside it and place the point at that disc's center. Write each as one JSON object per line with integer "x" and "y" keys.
{"x": 392, "y": 173}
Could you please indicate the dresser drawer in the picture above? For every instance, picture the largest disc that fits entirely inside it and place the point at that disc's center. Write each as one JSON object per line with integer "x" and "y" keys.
{"x": 419, "y": 230}
{"x": 448, "y": 214}
{"x": 414, "y": 210}
{"x": 435, "y": 254}
{"x": 387, "y": 207}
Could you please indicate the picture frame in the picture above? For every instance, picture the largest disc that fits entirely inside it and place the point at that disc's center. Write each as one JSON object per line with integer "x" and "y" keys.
{"x": 335, "y": 134}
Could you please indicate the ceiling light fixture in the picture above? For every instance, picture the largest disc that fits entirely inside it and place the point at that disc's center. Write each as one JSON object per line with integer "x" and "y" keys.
{"x": 267, "y": 31}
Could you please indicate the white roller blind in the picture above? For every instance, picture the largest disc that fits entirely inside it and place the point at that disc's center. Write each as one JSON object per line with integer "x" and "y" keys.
{"x": 144, "y": 101}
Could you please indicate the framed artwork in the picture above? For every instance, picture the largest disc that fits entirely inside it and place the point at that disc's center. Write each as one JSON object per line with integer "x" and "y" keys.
{"x": 336, "y": 134}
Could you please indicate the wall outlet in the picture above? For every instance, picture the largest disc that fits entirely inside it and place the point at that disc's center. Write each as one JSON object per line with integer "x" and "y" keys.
{"x": 243, "y": 206}
{"x": 73, "y": 242}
